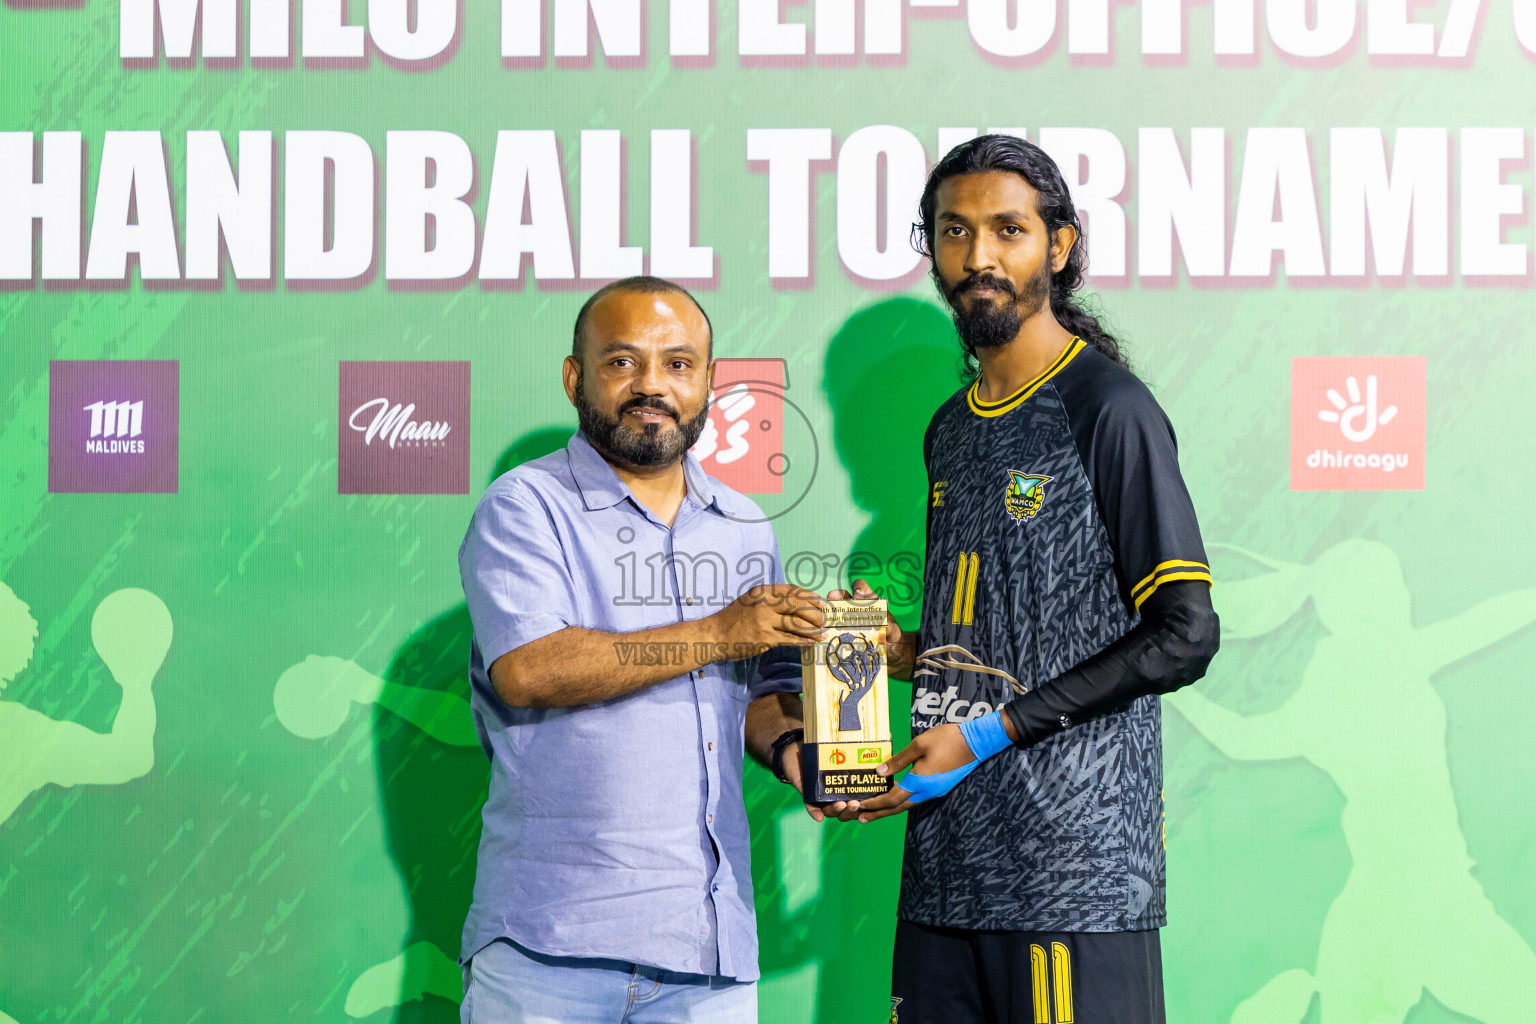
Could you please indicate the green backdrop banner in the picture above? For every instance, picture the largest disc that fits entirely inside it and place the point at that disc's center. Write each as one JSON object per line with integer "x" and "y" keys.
{"x": 285, "y": 283}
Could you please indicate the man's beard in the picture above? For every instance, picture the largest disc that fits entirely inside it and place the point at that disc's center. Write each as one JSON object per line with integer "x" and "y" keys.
{"x": 656, "y": 444}
{"x": 994, "y": 322}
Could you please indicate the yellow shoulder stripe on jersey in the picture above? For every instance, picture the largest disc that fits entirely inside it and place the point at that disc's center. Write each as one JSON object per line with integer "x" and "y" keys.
{"x": 1013, "y": 401}
{"x": 1204, "y": 577}
{"x": 1168, "y": 572}
{"x": 1163, "y": 567}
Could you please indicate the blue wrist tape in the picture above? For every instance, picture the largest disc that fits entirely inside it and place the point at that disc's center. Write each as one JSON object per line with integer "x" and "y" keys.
{"x": 986, "y": 735}
{"x": 926, "y": 787}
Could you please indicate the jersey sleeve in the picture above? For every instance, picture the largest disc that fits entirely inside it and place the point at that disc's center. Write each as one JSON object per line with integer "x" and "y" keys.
{"x": 1170, "y": 647}
{"x": 1132, "y": 459}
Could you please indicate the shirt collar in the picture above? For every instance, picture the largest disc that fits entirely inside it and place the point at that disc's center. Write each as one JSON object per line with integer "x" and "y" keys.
{"x": 601, "y": 487}
{"x": 707, "y": 491}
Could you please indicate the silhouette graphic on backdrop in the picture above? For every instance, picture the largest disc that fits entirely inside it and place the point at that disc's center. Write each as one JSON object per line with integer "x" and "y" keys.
{"x": 1410, "y": 916}
{"x": 432, "y": 783}
{"x": 131, "y": 631}
{"x": 312, "y": 700}
{"x": 898, "y": 347}
{"x": 886, "y": 370}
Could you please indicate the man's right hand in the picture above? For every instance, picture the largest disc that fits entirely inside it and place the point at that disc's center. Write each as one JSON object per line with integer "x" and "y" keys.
{"x": 779, "y": 614}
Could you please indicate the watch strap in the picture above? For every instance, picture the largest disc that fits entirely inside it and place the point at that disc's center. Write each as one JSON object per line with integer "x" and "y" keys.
{"x": 776, "y": 760}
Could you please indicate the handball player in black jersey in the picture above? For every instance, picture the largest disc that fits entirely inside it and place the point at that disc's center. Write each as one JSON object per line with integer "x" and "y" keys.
{"x": 1066, "y": 587}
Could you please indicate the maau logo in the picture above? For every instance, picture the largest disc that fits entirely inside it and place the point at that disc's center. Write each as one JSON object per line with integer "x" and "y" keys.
{"x": 404, "y": 428}
{"x": 113, "y": 426}
{"x": 1357, "y": 423}
{"x": 392, "y": 424}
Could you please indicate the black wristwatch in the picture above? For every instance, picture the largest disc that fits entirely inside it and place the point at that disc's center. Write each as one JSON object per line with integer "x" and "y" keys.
{"x": 776, "y": 759}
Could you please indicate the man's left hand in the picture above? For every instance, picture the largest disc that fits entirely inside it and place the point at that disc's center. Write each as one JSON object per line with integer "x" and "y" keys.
{"x": 940, "y": 749}
{"x": 817, "y": 812}
{"x": 862, "y": 591}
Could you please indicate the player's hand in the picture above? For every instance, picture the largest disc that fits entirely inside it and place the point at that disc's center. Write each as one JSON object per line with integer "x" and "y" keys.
{"x": 862, "y": 591}
{"x": 941, "y": 749}
{"x": 776, "y": 615}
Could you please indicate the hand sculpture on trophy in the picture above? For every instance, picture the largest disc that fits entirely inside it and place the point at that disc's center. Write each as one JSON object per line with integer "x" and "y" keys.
{"x": 853, "y": 661}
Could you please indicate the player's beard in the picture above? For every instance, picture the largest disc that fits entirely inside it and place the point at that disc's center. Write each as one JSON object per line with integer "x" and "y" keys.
{"x": 993, "y": 322}
{"x": 656, "y": 444}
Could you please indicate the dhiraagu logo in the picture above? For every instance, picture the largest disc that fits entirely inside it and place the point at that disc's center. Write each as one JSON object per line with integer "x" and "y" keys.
{"x": 1357, "y": 423}
{"x": 1357, "y": 416}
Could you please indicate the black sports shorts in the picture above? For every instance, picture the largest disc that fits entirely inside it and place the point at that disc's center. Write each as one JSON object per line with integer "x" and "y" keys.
{"x": 960, "y": 976}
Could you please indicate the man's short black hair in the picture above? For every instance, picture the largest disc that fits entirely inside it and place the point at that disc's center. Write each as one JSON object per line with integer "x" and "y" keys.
{"x": 643, "y": 284}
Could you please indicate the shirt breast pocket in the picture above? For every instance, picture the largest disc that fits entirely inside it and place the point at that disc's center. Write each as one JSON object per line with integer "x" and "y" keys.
{"x": 730, "y": 677}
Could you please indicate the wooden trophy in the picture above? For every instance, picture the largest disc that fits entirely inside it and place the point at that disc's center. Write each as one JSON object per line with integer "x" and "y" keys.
{"x": 847, "y": 708}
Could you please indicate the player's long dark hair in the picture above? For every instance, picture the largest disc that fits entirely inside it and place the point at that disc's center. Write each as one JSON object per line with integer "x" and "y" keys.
{"x": 1054, "y": 205}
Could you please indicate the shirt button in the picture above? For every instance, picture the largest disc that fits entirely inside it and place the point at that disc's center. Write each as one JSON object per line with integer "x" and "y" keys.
{"x": 711, "y": 746}
{"x": 688, "y": 600}
{"x": 711, "y": 819}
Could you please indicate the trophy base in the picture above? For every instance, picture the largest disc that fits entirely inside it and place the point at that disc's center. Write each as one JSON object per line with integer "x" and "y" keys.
{"x": 843, "y": 771}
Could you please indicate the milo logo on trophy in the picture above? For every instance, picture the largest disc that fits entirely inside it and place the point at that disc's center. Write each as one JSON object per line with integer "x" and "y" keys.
{"x": 847, "y": 711}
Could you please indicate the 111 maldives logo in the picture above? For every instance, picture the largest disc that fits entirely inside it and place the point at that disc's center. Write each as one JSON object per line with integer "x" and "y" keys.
{"x": 113, "y": 426}
{"x": 1357, "y": 423}
{"x": 404, "y": 428}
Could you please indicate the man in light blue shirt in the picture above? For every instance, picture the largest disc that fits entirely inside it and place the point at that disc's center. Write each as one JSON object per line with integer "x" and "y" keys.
{"x": 633, "y": 635}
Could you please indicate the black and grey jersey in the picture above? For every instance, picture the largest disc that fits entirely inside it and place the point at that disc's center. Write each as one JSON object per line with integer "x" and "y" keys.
{"x": 1053, "y": 514}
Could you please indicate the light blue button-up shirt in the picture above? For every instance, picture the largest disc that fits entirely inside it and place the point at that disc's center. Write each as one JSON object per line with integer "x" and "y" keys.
{"x": 602, "y": 822}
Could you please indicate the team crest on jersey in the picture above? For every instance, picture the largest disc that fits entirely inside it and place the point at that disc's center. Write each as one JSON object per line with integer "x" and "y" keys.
{"x": 1026, "y": 494}
{"x": 895, "y": 1002}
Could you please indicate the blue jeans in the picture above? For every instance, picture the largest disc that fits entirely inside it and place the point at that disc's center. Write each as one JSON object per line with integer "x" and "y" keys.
{"x": 507, "y": 984}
